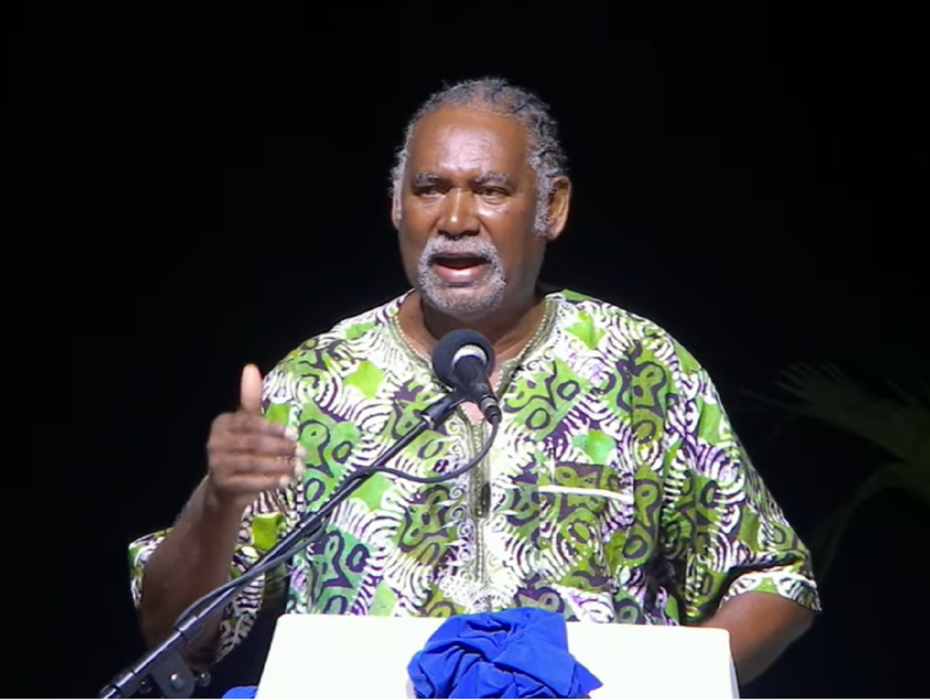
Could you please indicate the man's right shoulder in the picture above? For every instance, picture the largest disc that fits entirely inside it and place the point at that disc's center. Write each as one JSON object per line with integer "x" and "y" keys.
{"x": 349, "y": 341}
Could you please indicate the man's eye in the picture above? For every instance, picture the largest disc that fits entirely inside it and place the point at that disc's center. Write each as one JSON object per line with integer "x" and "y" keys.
{"x": 493, "y": 192}
{"x": 431, "y": 191}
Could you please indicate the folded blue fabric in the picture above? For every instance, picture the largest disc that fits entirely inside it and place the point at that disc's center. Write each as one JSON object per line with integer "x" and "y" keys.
{"x": 516, "y": 653}
{"x": 241, "y": 691}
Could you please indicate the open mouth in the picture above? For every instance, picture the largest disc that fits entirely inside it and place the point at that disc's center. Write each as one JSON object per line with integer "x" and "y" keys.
{"x": 460, "y": 269}
{"x": 459, "y": 262}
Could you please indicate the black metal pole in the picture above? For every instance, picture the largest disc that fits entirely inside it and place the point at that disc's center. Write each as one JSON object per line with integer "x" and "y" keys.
{"x": 165, "y": 665}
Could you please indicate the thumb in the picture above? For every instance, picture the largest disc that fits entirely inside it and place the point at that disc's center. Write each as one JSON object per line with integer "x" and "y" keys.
{"x": 250, "y": 390}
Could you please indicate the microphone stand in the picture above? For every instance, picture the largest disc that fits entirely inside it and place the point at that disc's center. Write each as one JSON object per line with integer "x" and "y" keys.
{"x": 165, "y": 665}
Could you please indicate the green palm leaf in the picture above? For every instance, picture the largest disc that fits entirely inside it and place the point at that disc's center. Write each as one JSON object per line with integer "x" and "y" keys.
{"x": 825, "y": 539}
{"x": 898, "y": 422}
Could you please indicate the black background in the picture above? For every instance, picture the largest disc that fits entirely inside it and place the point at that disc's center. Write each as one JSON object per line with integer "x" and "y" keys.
{"x": 204, "y": 187}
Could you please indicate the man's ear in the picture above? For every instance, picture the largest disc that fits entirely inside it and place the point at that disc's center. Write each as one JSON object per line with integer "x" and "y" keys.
{"x": 395, "y": 211}
{"x": 559, "y": 200}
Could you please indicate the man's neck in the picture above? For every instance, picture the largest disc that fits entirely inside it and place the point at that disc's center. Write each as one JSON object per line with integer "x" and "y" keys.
{"x": 508, "y": 330}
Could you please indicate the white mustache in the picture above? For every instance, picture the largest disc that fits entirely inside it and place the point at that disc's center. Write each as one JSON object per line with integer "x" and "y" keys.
{"x": 479, "y": 249}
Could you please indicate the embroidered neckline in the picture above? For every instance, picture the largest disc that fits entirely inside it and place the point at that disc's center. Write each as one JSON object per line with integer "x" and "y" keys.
{"x": 508, "y": 368}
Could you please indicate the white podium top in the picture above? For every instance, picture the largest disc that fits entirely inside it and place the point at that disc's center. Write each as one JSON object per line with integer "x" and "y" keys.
{"x": 348, "y": 656}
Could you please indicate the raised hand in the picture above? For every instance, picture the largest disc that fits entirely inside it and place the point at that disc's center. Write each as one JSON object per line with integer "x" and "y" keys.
{"x": 247, "y": 453}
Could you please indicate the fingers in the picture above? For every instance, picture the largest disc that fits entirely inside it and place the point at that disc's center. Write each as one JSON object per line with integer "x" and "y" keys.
{"x": 258, "y": 465}
{"x": 252, "y": 484}
{"x": 235, "y": 474}
{"x": 250, "y": 390}
{"x": 249, "y": 454}
{"x": 261, "y": 444}
{"x": 241, "y": 422}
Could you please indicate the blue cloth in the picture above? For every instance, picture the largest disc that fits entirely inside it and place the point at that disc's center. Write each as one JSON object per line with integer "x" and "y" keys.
{"x": 516, "y": 653}
{"x": 241, "y": 691}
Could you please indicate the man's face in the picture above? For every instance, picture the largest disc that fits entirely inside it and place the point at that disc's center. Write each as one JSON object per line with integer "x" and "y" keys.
{"x": 466, "y": 211}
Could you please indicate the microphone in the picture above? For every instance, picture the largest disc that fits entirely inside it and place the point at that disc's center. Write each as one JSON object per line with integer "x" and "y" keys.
{"x": 462, "y": 360}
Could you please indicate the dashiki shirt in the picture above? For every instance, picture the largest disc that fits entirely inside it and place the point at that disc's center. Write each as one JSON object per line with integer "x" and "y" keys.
{"x": 616, "y": 490}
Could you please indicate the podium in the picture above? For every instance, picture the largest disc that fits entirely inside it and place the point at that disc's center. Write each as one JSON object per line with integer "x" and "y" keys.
{"x": 348, "y": 656}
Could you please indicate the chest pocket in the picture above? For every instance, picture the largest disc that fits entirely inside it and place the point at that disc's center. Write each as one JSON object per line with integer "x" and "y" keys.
{"x": 576, "y": 501}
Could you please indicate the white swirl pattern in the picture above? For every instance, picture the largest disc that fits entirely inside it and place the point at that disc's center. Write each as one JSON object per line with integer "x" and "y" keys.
{"x": 614, "y": 457}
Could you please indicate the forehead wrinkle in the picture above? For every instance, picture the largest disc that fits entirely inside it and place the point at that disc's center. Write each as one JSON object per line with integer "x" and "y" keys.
{"x": 492, "y": 144}
{"x": 478, "y": 148}
{"x": 492, "y": 177}
{"x": 428, "y": 177}
{"x": 482, "y": 169}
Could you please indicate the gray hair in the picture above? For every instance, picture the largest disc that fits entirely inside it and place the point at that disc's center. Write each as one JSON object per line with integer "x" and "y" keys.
{"x": 546, "y": 156}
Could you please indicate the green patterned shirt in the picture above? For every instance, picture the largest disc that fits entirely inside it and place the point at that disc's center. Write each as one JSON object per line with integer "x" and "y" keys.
{"x": 616, "y": 491}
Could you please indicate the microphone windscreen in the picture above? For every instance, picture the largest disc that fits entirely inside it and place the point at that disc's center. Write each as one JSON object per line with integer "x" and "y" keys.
{"x": 449, "y": 346}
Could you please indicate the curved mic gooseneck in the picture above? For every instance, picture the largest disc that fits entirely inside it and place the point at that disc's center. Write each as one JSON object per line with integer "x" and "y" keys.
{"x": 165, "y": 665}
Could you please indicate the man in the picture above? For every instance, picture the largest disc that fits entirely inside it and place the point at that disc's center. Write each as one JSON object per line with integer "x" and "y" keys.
{"x": 616, "y": 490}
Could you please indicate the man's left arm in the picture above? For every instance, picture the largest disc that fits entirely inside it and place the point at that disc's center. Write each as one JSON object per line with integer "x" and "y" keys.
{"x": 761, "y": 627}
{"x": 740, "y": 565}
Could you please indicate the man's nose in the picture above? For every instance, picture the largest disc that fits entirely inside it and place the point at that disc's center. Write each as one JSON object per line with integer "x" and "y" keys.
{"x": 459, "y": 214}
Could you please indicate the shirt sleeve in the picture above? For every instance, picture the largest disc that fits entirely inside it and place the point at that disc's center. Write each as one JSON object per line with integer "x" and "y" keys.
{"x": 262, "y": 525}
{"x": 724, "y": 533}
{"x": 259, "y": 530}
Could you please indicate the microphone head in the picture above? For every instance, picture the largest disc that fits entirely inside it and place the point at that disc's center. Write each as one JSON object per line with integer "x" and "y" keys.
{"x": 455, "y": 345}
